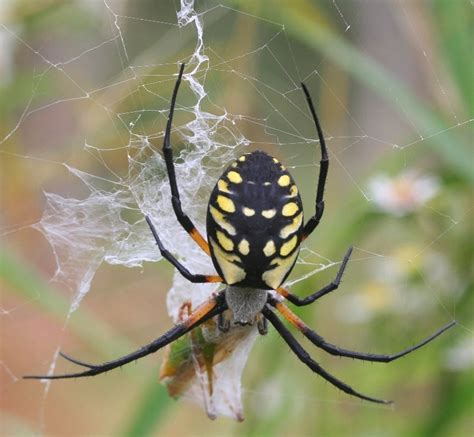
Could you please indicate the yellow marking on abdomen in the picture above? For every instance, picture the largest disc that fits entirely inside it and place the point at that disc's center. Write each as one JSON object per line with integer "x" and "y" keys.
{"x": 284, "y": 180}
{"x": 242, "y": 158}
{"x": 231, "y": 272}
{"x": 220, "y": 220}
{"x": 269, "y": 213}
{"x": 234, "y": 177}
{"x": 223, "y": 186}
{"x": 292, "y": 227}
{"x": 269, "y": 248}
{"x": 288, "y": 247}
{"x": 274, "y": 277}
{"x": 244, "y": 247}
{"x": 225, "y": 242}
{"x": 291, "y": 208}
{"x": 225, "y": 204}
{"x": 249, "y": 212}
{"x": 293, "y": 191}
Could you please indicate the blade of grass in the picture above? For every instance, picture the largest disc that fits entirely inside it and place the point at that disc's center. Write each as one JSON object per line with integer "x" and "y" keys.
{"x": 456, "y": 22}
{"x": 151, "y": 410}
{"x": 455, "y": 403}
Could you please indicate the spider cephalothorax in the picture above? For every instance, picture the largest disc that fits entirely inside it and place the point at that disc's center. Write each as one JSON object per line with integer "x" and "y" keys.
{"x": 255, "y": 227}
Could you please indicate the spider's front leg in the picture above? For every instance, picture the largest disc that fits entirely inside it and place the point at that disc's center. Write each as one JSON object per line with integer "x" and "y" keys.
{"x": 183, "y": 219}
{"x": 323, "y": 170}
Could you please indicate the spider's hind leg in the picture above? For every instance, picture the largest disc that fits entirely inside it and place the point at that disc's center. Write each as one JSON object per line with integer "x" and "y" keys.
{"x": 313, "y": 365}
{"x": 320, "y": 342}
{"x": 207, "y": 310}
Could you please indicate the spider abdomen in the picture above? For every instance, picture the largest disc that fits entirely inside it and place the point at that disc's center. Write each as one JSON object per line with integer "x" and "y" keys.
{"x": 255, "y": 222}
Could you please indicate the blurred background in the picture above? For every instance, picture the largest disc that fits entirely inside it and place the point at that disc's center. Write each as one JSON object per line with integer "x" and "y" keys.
{"x": 393, "y": 87}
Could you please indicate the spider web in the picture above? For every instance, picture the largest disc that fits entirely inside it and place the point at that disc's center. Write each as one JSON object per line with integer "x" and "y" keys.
{"x": 99, "y": 218}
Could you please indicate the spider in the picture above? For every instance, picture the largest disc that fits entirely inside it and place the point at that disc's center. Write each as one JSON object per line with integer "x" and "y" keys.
{"x": 255, "y": 228}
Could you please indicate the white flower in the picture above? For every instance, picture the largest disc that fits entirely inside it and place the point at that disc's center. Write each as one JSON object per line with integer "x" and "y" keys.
{"x": 392, "y": 287}
{"x": 402, "y": 194}
{"x": 461, "y": 355}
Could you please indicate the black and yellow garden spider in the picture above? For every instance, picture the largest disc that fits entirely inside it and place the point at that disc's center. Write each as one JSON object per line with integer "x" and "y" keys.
{"x": 255, "y": 228}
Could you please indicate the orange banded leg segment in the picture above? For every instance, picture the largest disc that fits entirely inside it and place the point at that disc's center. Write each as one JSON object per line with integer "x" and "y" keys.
{"x": 290, "y": 316}
{"x": 283, "y": 292}
{"x": 200, "y": 312}
{"x": 200, "y": 240}
{"x": 203, "y": 361}
{"x": 320, "y": 342}
{"x": 213, "y": 278}
{"x": 320, "y": 293}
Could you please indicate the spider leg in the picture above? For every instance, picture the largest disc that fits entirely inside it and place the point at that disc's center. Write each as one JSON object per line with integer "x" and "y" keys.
{"x": 182, "y": 269}
{"x": 79, "y": 363}
{"x": 320, "y": 293}
{"x": 323, "y": 170}
{"x": 183, "y": 219}
{"x": 262, "y": 325}
{"x": 313, "y": 365}
{"x": 204, "y": 312}
{"x": 319, "y": 341}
